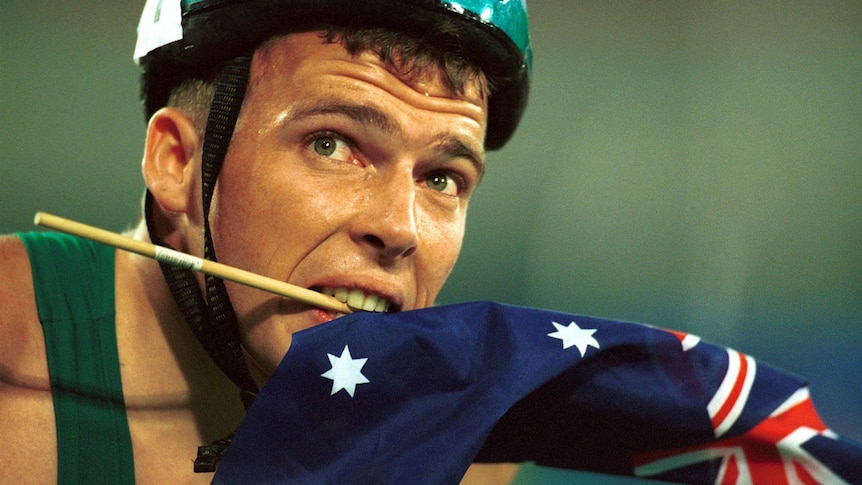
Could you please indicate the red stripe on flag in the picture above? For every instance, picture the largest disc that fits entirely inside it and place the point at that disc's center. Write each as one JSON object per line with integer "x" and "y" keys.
{"x": 731, "y": 472}
{"x": 680, "y": 335}
{"x": 734, "y": 394}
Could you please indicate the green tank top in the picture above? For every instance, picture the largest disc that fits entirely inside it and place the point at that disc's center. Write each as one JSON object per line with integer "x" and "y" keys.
{"x": 74, "y": 283}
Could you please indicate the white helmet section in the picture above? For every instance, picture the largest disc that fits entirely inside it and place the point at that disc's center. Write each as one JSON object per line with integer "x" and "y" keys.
{"x": 161, "y": 24}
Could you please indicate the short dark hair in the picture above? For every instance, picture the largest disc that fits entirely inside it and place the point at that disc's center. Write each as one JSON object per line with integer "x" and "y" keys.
{"x": 410, "y": 56}
{"x": 441, "y": 48}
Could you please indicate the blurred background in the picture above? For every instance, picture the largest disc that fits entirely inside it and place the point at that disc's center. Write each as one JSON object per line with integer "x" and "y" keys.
{"x": 694, "y": 165}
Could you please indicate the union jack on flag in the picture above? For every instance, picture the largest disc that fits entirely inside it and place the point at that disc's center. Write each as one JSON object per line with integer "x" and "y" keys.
{"x": 416, "y": 397}
{"x": 771, "y": 452}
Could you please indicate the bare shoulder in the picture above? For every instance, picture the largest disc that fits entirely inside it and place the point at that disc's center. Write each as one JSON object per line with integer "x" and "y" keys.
{"x": 14, "y": 262}
{"x": 19, "y": 319}
{"x": 25, "y": 393}
{"x": 22, "y": 343}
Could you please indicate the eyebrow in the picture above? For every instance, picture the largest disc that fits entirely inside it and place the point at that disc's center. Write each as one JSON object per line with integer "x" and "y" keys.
{"x": 455, "y": 148}
{"x": 371, "y": 116}
{"x": 363, "y": 114}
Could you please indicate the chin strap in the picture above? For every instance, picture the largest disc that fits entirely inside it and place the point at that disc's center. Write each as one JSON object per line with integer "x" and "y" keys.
{"x": 210, "y": 455}
{"x": 212, "y": 319}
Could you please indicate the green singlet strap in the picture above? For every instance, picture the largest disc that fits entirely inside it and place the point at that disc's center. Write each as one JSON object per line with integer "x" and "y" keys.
{"x": 74, "y": 284}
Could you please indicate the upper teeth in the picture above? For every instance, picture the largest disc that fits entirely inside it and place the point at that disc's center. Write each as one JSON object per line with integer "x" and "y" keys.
{"x": 358, "y": 299}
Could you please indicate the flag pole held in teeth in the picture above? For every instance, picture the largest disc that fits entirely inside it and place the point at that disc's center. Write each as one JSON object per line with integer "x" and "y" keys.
{"x": 170, "y": 256}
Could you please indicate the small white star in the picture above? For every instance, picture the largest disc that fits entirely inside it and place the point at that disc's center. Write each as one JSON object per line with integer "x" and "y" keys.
{"x": 345, "y": 372}
{"x": 573, "y": 335}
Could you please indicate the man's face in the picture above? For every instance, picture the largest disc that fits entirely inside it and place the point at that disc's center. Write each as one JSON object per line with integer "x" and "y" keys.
{"x": 341, "y": 175}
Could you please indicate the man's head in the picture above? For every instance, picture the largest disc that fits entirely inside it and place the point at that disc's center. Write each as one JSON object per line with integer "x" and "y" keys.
{"x": 343, "y": 175}
{"x": 179, "y": 38}
{"x": 411, "y": 58}
{"x": 350, "y": 163}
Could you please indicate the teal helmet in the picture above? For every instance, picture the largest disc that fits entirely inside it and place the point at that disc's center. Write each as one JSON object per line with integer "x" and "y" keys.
{"x": 175, "y": 36}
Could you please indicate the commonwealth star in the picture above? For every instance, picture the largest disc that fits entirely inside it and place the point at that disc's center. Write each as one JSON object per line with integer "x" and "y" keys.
{"x": 573, "y": 335}
{"x": 345, "y": 372}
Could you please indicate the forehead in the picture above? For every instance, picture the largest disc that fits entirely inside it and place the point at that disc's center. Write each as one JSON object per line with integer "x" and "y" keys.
{"x": 302, "y": 51}
{"x": 292, "y": 73}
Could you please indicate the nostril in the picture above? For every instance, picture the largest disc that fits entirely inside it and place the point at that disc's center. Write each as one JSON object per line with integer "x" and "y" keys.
{"x": 390, "y": 250}
{"x": 374, "y": 241}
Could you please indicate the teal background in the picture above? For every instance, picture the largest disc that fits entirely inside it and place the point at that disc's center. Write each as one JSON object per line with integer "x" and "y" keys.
{"x": 695, "y": 165}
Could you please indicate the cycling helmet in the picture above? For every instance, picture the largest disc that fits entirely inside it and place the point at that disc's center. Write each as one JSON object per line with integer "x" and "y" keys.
{"x": 181, "y": 34}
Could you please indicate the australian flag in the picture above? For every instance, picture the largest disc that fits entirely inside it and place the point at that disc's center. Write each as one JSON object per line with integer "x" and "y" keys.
{"x": 416, "y": 397}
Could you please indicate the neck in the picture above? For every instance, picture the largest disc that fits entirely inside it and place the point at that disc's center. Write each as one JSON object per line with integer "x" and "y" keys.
{"x": 164, "y": 366}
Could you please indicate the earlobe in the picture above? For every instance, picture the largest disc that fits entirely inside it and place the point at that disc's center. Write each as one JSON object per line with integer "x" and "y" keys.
{"x": 169, "y": 167}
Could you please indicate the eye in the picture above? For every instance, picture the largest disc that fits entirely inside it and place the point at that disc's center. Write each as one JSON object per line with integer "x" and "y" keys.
{"x": 444, "y": 182}
{"x": 325, "y": 146}
{"x": 331, "y": 146}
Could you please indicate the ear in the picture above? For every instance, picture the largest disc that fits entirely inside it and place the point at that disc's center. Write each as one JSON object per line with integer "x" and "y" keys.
{"x": 170, "y": 165}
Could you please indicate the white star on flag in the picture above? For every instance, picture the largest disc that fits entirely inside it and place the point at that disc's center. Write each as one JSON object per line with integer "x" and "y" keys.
{"x": 345, "y": 372}
{"x": 573, "y": 335}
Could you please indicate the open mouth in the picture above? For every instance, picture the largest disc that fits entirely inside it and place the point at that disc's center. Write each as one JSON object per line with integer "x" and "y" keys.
{"x": 358, "y": 299}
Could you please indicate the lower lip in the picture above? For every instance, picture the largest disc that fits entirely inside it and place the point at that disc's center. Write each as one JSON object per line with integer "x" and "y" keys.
{"x": 322, "y": 315}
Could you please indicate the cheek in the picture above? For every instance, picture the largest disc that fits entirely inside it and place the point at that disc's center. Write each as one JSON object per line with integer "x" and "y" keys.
{"x": 442, "y": 245}
{"x": 231, "y": 222}
{"x": 252, "y": 217}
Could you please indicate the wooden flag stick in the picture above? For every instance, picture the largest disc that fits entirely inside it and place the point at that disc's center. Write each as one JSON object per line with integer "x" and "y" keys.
{"x": 194, "y": 263}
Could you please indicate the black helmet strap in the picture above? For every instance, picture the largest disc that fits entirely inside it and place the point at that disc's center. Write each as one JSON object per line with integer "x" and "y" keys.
{"x": 212, "y": 319}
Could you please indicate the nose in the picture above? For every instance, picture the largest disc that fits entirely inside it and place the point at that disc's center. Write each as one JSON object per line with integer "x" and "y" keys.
{"x": 387, "y": 222}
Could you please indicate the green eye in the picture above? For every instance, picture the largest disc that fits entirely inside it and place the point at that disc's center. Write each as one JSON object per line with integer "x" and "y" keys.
{"x": 325, "y": 145}
{"x": 442, "y": 182}
{"x": 438, "y": 182}
{"x": 330, "y": 145}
